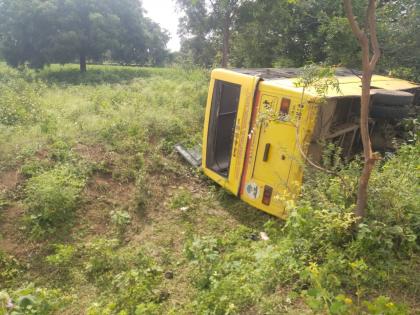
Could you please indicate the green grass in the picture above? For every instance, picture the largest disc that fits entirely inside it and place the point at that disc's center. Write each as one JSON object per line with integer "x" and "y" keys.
{"x": 98, "y": 215}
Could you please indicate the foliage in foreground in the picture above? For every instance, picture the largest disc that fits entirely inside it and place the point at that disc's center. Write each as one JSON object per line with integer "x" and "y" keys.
{"x": 31, "y": 301}
{"x": 119, "y": 125}
{"x": 52, "y": 199}
{"x": 316, "y": 254}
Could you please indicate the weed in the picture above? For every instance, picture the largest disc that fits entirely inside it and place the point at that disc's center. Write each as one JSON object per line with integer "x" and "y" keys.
{"x": 3, "y": 202}
{"x": 20, "y": 103}
{"x": 10, "y": 269}
{"x": 62, "y": 261}
{"x": 143, "y": 191}
{"x": 63, "y": 257}
{"x": 60, "y": 151}
{"x": 183, "y": 200}
{"x": 34, "y": 167}
{"x": 132, "y": 285}
{"x": 52, "y": 199}
{"x": 101, "y": 259}
{"x": 383, "y": 305}
{"x": 32, "y": 300}
{"x": 58, "y": 126}
{"x": 120, "y": 219}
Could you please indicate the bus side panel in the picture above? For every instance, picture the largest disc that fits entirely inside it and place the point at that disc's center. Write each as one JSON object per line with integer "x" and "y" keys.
{"x": 274, "y": 167}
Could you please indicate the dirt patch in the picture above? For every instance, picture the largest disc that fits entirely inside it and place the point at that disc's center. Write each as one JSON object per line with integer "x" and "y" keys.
{"x": 9, "y": 180}
{"x": 93, "y": 153}
{"x": 95, "y": 217}
{"x": 103, "y": 194}
{"x": 11, "y": 240}
{"x": 42, "y": 154}
{"x": 105, "y": 188}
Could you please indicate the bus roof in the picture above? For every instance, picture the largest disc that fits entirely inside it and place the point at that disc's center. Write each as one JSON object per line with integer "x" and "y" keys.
{"x": 349, "y": 81}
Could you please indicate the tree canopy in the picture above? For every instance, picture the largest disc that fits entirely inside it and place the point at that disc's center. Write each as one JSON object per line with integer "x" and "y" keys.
{"x": 267, "y": 33}
{"x": 40, "y": 32}
{"x": 207, "y": 27}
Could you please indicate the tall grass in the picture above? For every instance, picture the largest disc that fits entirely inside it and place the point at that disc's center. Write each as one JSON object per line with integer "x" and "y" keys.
{"x": 141, "y": 233}
{"x": 115, "y": 106}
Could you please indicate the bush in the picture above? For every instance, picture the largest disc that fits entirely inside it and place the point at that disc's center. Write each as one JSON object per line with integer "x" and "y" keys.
{"x": 317, "y": 251}
{"x": 393, "y": 222}
{"x": 32, "y": 301}
{"x": 120, "y": 219}
{"x": 10, "y": 269}
{"x": 20, "y": 102}
{"x": 102, "y": 259}
{"x": 52, "y": 199}
{"x": 231, "y": 273}
{"x": 183, "y": 200}
{"x": 33, "y": 168}
{"x": 63, "y": 257}
{"x": 129, "y": 281}
{"x": 143, "y": 191}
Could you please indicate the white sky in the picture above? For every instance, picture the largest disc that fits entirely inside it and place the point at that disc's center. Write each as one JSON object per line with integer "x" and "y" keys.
{"x": 164, "y": 12}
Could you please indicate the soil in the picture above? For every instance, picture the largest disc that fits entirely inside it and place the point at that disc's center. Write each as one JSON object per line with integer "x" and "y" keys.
{"x": 9, "y": 180}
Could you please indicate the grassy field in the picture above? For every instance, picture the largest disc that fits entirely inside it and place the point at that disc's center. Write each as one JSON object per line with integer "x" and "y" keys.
{"x": 98, "y": 215}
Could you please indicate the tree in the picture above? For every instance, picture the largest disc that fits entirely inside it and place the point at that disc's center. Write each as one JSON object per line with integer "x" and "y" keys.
{"x": 18, "y": 40}
{"x": 209, "y": 20}
{"x": 259, "y": 35}
{"x": 224, "y": 15}
{"x": 141, "y": 41}
{"x": 156, "y": 40}
{"x": 86, "y": 29}
{"x": 197, "y": 43}
{"x": 285, "y": 33}
{"x": 399, "y": 26}
{"x": 369, "y": 44}
{"x": 292, "y": 33}
{"x": 40, "y": 32}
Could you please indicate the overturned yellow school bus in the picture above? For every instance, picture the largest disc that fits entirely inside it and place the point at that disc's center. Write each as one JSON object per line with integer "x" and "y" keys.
{"x": 261, "y": 160}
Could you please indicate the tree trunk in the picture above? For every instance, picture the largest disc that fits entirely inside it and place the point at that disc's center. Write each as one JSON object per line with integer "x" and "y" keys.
{"x": 82, "y": 62}
{"x": 367, "y": 39}
{"x": 226, "y": 42}
{"x": 369, "y": 164}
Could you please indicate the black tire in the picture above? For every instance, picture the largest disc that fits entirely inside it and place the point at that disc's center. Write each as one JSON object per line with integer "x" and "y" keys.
{"x": 390, "y": 112}
{"x": 392, "y": 98}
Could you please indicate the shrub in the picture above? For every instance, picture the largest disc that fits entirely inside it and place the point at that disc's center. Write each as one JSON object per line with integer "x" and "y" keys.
{"x": 52, "y": 199}
{"x": 60, "y": 151}
{"x": 63, "y": 257}
{"x": 102, "y": 258}
{"x": 183, "y": 200}
{"x": 231, "y": 273}
{"x": 393, "y": 222}
{"x": 34, "y": 167}
{"x": 120, "y": 219}
{"x": 317, "y": 251}
{"x": 10, "y": 269}
{"x": 317, "y": 231}
{"x": 32, "y": 301}
{"x": 143, "y": 191}
{"x": 20, "y": 102}
{"x": 132, "y": 288}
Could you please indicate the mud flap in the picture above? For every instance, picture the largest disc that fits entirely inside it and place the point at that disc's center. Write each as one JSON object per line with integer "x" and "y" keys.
{"x": 192, "y": 156}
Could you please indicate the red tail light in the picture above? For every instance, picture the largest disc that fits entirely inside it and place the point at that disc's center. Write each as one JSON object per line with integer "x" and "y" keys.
{"x": 268, "y": 192}
{"x": 285, "y": 106}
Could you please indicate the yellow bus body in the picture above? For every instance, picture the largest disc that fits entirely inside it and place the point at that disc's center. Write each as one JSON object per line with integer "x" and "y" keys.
{"x": 256, "y": 158}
